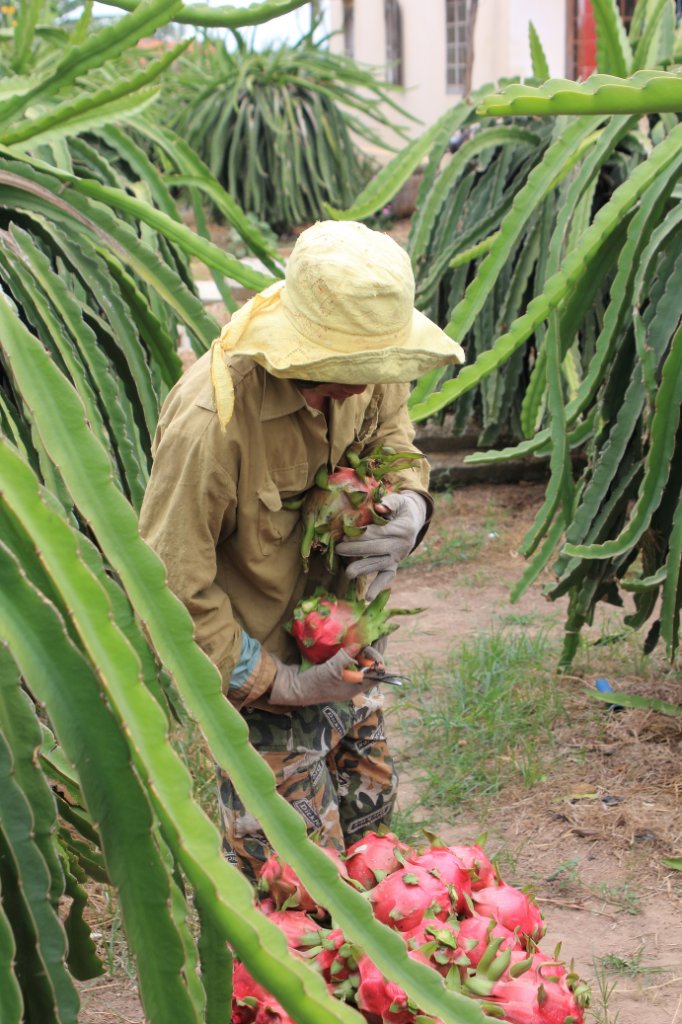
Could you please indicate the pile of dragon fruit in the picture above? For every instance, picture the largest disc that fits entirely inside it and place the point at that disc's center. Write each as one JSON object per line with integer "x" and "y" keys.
{"x": 454, "y": 913}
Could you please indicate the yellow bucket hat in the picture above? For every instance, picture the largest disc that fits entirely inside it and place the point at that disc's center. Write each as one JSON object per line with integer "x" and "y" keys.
{"x": 344, "y": 314}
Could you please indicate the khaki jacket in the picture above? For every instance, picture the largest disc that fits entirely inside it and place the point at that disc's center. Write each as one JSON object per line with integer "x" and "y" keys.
{"x": 214, "y": 507}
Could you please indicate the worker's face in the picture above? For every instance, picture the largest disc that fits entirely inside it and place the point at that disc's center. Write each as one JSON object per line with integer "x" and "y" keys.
{"x": 337, "y": 392}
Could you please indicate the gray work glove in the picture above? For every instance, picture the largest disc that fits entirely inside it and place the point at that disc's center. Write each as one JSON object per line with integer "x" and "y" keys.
{"x": 375, "y": 652}
{"x": 322, "y": 684}
{"x": 381, "y": 548}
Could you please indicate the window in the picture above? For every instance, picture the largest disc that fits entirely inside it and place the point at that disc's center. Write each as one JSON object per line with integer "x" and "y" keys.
{"x": 457, "y": 44}
{"x": 394, "y": 42}
{"x": 348, "y": 29}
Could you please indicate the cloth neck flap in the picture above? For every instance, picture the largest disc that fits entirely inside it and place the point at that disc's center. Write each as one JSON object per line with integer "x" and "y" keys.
{"x": 228, "y": 343}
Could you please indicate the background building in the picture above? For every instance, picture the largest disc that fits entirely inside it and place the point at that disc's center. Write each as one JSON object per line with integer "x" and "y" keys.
{"x": 438, "y": 50}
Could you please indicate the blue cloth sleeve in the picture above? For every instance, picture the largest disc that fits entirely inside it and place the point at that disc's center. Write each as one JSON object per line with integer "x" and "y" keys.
{"x": 247, "y": 661}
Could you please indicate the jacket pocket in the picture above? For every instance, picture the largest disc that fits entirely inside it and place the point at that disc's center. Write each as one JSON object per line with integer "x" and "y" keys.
{"x": 276, "y": 523}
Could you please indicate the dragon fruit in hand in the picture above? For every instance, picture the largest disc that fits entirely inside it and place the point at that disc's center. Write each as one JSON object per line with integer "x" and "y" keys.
{"x": 343, "y": 502}
{"x": 323, "y": 624}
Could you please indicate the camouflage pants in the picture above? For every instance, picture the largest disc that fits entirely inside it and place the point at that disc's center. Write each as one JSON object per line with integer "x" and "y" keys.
{"x": 331, "y": 763}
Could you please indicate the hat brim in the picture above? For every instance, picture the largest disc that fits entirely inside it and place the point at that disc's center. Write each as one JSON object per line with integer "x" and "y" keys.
{"x": 273, "y": 341}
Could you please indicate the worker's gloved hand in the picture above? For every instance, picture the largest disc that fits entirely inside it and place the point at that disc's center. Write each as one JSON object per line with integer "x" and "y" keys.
{"x": 374, "y": 652}
{"x": 381, "y": 548}
{"x": 321, "y": 684}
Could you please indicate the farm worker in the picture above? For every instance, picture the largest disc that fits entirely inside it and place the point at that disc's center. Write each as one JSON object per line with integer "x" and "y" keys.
{"x": 308, "y": 368}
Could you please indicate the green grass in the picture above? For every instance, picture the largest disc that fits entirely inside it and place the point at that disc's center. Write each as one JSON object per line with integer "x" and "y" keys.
{"x": 479, "y": 719}
{"x": 621, "y": 896}
{"x": 628, "y": 964}
{"x": 191, "y": 747}
{"x": 442, "y": 547}
{"x": 566, "y": 875}
{"x": 601, "y": 996}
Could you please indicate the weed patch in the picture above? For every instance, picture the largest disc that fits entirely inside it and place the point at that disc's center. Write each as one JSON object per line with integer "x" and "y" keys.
{"x": 479, "y": 719}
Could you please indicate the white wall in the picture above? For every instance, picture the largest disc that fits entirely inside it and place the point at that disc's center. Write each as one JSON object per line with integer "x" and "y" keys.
{"x": 501, "y": 43}
{"x": 549, "y": 20}
{"x": 423, "y": 31}
{"x": 501, "y": 46}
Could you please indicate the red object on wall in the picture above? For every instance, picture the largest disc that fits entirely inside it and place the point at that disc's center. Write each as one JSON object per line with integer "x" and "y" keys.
{"x": 585, "y": 39}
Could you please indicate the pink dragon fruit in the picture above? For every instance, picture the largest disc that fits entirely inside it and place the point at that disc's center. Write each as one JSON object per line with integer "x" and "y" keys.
{"x": 282, "y": 884}
{"x": 475, "y": 862}
{"x": 300, "y": 931}
{"x": 343, "y": 502}
{"x": 446, "y": 866}
{"x": 273, "y": 1013}
{"x": 247, "y": 996}
{"x": 435, "y": 943}
{"x": 527, "y": 993}
{"x": 373, "y": 857}
{"x": 376, "y": 995}
{"x": 475, "y": 933}
{"x": 322, "y": 624}
{"x": 405, "y": 897}
{"x": 472, "y": 858}
{"x": 512, "y": 908}
{"x": 337, "y": 959}
{"x": 556, "y": 1004}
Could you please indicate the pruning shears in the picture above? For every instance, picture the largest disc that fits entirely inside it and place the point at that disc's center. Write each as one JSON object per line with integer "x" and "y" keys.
{"x": 375, "y": 671}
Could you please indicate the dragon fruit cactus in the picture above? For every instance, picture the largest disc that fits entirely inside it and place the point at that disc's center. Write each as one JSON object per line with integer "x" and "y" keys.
{"x": 512, "y": 908}
{"x": 323, "y": 624}
{"x": 373, "y": 857}
{"x": 405, "y": 897}
{"x": 445, "y": 865}
{"x": 343, "y": 502}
